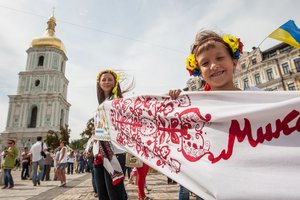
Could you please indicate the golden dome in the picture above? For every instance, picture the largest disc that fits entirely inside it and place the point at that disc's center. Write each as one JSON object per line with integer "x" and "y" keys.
{"x": 49, "y": 39}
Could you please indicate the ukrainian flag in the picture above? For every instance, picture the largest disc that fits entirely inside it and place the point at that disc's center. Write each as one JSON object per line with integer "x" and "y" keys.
{"x": 288, "y": 33}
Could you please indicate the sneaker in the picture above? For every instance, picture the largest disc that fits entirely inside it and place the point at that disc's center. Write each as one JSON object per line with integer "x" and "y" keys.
{"x": 148, "y": 189}
{"x": 62, "y": 184}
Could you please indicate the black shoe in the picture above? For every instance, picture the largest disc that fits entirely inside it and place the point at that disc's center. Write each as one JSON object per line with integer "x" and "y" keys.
{"x": 11, "y": 186}
{"x": 5, "y": 186}
{"x": 39, "y": 182}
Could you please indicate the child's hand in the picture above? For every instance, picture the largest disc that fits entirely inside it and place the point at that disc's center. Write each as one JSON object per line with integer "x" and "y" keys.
{"x": 174, "y": 93}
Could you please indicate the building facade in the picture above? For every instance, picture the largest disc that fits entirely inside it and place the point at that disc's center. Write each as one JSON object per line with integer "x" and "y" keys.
{"x": 195, "y": 83}
{"x": 41, "y": 102}
{"x": 277, "y": 68}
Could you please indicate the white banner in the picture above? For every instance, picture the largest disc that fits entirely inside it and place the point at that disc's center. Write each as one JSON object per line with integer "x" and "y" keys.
{"x": 220, "y": 145}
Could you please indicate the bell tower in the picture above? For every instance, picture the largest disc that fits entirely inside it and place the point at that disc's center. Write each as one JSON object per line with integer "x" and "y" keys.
{"x": 41, "y": 102}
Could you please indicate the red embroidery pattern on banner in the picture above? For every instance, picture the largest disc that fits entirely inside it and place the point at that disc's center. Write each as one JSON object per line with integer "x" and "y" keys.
{"x": 151, "y": 127}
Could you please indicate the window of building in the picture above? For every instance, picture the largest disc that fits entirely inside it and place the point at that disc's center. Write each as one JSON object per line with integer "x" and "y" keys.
{"x": 194, "y": 87}
{"x": 236, "y": 84}
{"x": 41, "y": 61}
{"x": 243, "y": 65}
{"x": 272, "y": 54}
{"x": 62, "y": 66}
{"x": 273, "y": 89}
{"x": 254, "y": 61}
{"x": 286, "y": 49}
{"x": 297, "y": 64}
{"x": 257, "y": 79}
{"x": 246, "y": 83}
{"x": 270, "y": 74}
{"x": 37, "y": 83}
{"x": 33, "y": 117}
{"x": 61, "y": 118}
{"x": 291, "y": 86}
{"x": 285, "y": 68}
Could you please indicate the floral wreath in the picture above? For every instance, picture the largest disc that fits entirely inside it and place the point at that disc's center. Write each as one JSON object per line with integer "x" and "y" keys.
{"x": 117, "y": 78}
{"x": 232, "y": 42}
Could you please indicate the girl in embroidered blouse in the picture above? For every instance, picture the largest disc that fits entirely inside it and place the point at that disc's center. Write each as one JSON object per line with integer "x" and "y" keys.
{"x": 215, "y": 58}
{"x": 109, "y": 186}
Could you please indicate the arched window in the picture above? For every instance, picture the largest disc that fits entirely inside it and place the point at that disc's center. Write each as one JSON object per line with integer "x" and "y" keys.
{"x": 61, "y": 121}
{"x": 41, "y": 61}
{"x": 62, "y": 67}
{"x": 33, "y": 117}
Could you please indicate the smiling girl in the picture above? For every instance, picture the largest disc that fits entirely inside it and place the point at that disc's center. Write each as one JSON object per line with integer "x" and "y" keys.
{"x": 215, "y": 58}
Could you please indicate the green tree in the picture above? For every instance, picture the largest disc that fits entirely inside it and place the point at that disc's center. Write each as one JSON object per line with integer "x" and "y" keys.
{"x": 54, "y": 137}
{"x": 88, "y": 132}
{"x": 78, "y": 144}
{"x": 65, "y": 134}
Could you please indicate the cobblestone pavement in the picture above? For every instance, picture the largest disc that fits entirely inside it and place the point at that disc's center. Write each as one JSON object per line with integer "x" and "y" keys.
{"x": 79, "y": 186}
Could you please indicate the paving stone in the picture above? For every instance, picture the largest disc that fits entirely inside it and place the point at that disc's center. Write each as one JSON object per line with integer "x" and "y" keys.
{"x": 79, "y": 187}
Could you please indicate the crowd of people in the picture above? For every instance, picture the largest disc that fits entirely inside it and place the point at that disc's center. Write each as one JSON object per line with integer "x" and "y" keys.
{"x": 213, "y": 57}
{"x": 37, "y": 166}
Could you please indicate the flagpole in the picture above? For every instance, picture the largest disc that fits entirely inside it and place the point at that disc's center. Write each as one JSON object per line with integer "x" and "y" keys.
{"x": 254, "y": 53}
{"x": 262, "y": 41}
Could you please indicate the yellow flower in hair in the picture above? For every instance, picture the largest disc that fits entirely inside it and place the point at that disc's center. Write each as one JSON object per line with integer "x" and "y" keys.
{"x": 232, "y": 41}
{"x": 191, "y": 63}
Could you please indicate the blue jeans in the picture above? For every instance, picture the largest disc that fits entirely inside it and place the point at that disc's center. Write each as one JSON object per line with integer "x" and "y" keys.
{"x": 8, "y": 178}
{"x": 81, "y": 167}
{"x": 25, "y": 171}
{"x": 90, "y": 163}
{"x": 184, "y": 194}
{"x": 37, "y": 177}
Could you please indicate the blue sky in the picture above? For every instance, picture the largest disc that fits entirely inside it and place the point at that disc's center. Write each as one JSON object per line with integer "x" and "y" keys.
{"x": 149, "y": 40}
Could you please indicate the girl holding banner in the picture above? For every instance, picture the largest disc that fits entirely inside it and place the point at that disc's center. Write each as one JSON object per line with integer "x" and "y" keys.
{"x": 107, "y": 169}
{"x": 215, "y": 59}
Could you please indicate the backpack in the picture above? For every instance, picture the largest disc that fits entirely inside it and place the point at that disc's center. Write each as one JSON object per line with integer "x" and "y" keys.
{"x": 43, "y": 154}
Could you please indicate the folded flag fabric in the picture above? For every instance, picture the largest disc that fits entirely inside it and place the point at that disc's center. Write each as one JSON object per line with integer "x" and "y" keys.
{"x": 288, "y": 33}
{"x": 219, "y": 145}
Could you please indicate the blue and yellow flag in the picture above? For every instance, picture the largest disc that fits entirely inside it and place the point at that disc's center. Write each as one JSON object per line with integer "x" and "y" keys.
{"x": 288, "y": 33}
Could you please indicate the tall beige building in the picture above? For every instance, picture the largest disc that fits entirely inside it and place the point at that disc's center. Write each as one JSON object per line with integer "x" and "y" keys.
{"x": 277, "y": 68}
{"x": 41, "y": 100}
